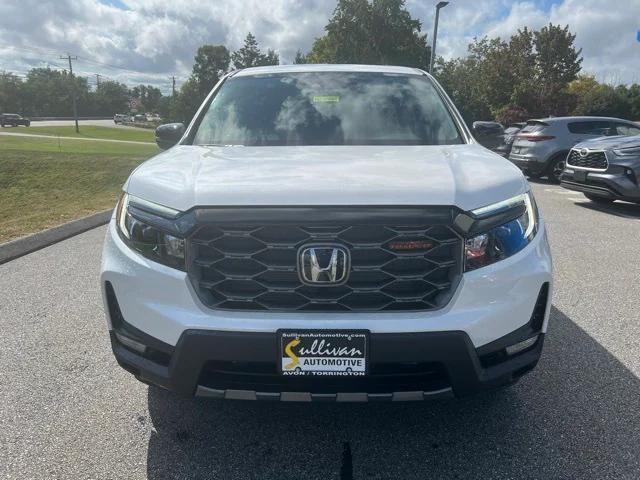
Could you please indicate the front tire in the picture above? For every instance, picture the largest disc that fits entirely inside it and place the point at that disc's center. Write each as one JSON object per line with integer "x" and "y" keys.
{"x": 599, "y": 200}
{"x": 556, "y": 167}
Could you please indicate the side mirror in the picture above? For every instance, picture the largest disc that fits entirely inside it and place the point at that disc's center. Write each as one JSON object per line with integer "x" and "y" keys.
{"x": 169, "y": 134}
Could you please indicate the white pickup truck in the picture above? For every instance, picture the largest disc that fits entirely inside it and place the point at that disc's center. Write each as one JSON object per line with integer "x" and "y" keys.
{"x": 326, "y": 233}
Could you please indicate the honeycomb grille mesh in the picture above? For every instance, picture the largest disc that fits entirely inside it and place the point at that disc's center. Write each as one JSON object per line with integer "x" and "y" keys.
{"x": 596, "y": 160}
{"x": 256, "y": 267}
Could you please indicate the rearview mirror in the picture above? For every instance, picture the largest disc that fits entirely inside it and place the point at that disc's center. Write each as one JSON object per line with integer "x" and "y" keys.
{"x": 169, "y": 134}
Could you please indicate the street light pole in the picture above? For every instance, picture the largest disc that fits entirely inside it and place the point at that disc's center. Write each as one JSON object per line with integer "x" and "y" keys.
{"x": 435, "y": 34}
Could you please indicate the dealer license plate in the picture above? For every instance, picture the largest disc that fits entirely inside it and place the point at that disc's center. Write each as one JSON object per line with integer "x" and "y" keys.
{"x": 323, "y": 352}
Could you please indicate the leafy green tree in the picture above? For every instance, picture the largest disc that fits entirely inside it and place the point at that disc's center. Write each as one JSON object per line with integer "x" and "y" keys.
{"x": 460, "y": 80}
{"x": 270, "y": 58}
{"x": 633, "y": 96}
{"x": 378, "y": 32}
{"x": 47, "y": 92}
{"x": 530, "y": 72}
{"x": 593, "y": 98}
{"x": 211, "y": 63}
{"x": 11, "y": 93}
{"x": 110, "y": 98}
{"x": 300, "y": 58}
{"x": 187, "y": 101}
{"x": 148, "y": 95}
{"x": 249, "y": 55}
{"x": 558, "y": 62}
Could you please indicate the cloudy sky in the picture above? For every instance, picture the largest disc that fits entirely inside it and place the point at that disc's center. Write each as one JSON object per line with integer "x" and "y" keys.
{"x": 148, "y": 41}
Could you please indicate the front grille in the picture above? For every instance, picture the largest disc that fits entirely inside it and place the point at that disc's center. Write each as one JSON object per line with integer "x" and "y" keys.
{"x": 594, "y": 160}
{"x": 382, "y": 378}
{"x": 255, "y": 267}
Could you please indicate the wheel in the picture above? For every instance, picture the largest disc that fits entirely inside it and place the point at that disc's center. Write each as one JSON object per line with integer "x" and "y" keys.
{"x": 556, "y": 167}
{"x": 600, "y": 200}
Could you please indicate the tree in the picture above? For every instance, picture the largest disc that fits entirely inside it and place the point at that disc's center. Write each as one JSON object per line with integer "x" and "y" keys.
{"x": 463, "y": 84}
{"x": 211, "y": 63}
{"x": 11, "y": 90}
{"x": 110, "y": 98}
{"x": 300, "y": 58}
{"x": 249, "y": 55}
{"x": 593, "y": 98}
{"x": 511, "y": 114}
{"x": 379, "y": 32}
{"x": 529, "y": 73}
{"x": 49, "y": 93}
{"x": 148, "y": 95}
{"x": 557, "y": 63}
{"x": 187, "y": 101}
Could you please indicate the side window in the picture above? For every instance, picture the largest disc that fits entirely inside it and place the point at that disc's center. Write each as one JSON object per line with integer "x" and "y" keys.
{"x": 626, "y": 129}
{"x": 594, "y": 128}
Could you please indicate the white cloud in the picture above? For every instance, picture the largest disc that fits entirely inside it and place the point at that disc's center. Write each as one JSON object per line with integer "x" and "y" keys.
{"x": 158, "y": 38}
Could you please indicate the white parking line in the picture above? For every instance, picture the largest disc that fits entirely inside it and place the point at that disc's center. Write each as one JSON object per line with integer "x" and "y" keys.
{"x": 562, "y": 191}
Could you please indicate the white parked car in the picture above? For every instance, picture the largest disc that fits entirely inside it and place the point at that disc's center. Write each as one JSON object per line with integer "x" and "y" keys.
{"x": 329, "y": 233}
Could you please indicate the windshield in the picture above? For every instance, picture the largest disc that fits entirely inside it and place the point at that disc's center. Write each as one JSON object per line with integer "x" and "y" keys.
{"x": 327, "y": 108}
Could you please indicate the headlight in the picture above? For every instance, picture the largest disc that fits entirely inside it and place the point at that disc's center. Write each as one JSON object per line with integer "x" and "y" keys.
{"x": 140, "y": 227}
{"x": 626, "y": 152}
{"x": 502, "y": 241}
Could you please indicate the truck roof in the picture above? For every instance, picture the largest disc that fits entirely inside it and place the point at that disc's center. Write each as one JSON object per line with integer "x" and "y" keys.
{"x": 303, "y": 68}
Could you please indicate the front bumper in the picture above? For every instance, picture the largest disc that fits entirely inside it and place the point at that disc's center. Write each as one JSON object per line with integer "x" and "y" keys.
{"x": 615, "y": 183}
{"x": 410, "y": 366}
{"x": 457, "y": 350}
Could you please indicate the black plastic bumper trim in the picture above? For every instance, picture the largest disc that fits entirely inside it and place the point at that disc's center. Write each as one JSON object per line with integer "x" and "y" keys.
{"x": 453, "y": 349}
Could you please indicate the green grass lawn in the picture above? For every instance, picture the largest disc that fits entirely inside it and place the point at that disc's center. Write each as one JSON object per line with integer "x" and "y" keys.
{"x": 88, "y": 131}
{"x": 46, "y": 182}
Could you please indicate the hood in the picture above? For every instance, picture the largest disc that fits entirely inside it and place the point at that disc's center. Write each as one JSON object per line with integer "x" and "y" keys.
{"x": 468, "y": 176}
{"x": 609, "y": 143}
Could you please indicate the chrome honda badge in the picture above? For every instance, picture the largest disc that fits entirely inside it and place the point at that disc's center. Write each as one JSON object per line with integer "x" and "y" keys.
{"x": 323, "y": 264}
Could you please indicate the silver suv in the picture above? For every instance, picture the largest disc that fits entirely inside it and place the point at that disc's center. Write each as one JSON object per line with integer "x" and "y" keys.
{"x": 541, "y": 147}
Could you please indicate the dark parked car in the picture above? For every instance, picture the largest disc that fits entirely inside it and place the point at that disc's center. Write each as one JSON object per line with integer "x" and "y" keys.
{"x": 508, "y": 137}
{"x": 605, "y": 169}
{"x": 488, "y": 134}
{"x": 14, "y": 120}
{"x": 541, "y": 147}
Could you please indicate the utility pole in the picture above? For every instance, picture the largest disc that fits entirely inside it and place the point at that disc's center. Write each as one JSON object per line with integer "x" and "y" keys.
{"x": 173, "y": 85}
{"x": 73, "y": 89}
{"x": 98, "y": 80}
{"x": 435, "y": 34}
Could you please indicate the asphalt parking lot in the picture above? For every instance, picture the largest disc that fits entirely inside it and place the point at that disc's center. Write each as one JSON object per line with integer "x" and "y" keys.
{"x": 68, "y": 411}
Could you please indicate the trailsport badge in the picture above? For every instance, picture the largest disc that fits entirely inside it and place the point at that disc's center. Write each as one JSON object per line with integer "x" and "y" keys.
{"x": 323, "y": 353}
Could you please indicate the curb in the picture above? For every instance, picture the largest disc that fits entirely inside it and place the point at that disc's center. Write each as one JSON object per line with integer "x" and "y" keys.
{"x": 22, "y": 246}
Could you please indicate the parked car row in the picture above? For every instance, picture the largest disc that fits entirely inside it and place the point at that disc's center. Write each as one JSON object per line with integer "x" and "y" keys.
{"x": 541, "y": 147}
{"x": 599, "y": 156}
{"x": 13, "y": 119}
{"x": 139, "y": 118}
